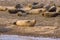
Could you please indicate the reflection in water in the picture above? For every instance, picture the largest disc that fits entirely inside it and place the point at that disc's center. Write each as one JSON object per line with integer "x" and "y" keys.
{"x": 16, "y": 37}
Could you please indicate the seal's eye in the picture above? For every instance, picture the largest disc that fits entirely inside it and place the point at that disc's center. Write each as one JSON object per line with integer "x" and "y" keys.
{"x": 40, "y": 11}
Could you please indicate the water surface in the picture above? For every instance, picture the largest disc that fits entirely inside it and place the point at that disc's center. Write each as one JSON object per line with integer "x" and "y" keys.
{"x": 16, "y": 37}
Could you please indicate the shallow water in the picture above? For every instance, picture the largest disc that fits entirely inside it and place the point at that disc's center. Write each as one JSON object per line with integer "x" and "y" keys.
{"x": 16, "y": 37}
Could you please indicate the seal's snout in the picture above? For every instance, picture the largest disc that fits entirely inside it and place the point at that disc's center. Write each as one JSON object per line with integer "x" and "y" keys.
{"x": 14, "y": 23}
